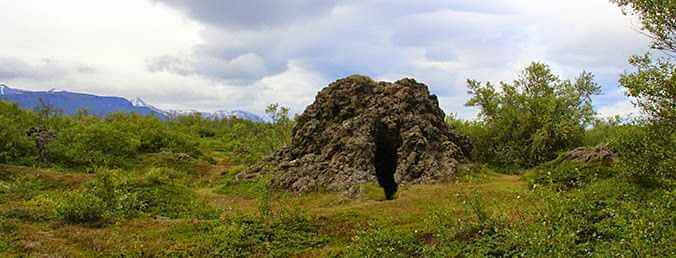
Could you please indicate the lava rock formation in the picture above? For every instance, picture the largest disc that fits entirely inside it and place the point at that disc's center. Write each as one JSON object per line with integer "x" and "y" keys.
{"x": 359, "y": 130}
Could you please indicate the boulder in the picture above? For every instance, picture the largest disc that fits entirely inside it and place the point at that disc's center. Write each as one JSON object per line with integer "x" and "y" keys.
{"x": 598, "y": 155}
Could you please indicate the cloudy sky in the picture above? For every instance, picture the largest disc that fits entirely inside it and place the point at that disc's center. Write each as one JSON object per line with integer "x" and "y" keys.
{"x": 231, "y": 54}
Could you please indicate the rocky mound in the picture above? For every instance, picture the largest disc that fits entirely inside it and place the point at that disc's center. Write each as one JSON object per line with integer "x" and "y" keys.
{"x": 360, "y": 130}
{"x": 600, "y": 154}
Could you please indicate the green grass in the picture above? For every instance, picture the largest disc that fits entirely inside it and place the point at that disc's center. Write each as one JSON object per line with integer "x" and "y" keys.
{"x": 170, "y": 206}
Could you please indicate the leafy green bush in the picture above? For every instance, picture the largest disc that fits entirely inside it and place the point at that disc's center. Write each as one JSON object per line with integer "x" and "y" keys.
{"x": 653, "y": 87}
{"x": 246, "y": 188}
{"x": 176, "y": 164}
{"x": 15, "y": 145}
{"x": 94, "y": 144}
{"x": 114, "y": 195}
{"x": 248, "y": 142}
{"x": 569, "y": 174}
{"x": 602, "y": 131}
{"x": 117, "y": 141}
{"x": 384, "y": 242}
{"x": 530, "y": 120}
{"x": 647, "y": 152}
{"x": 155, "y": 135}
{"x": 156, "y": 195}
{"x": 607, "y": 218}
{"x": 82, "y": 207}
{"x": 21, "y": 187}
{"x": 284, "y": 235}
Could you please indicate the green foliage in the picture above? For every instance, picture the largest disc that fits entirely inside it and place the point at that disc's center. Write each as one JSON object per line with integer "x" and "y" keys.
{"x": 283, "y": 235}
{"x": 647, "y": 152}
{"x": 653, "y": 87}
{"x": 384, "y": 242}
{"x": 530, "y": 120}
{"x": 15, "y": 145}
{"x": 82, "y": 207}
{"x": 116, "y": 141}
{"x": 603, "y": 130}
{"x": 568, "y": 174}
{"x": 114, "y": 195}
{"x": 21, "y": 187}
{"x": 155, "y": 195}
{"x": 95, "y": 143}
{"x": 6, "y": 230}
{"x": 247, "y": 142}
{"x": 246, "y": 188}
{"x": 658, "y": 19}
{"x": 606, "y": 218}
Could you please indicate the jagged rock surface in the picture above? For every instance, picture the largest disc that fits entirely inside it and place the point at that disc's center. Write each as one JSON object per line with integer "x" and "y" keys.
{"x": 359, "y": 130}
{"x": 599, "y": 154}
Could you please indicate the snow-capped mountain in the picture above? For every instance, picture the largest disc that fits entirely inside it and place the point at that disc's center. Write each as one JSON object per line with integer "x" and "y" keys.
{"x": 138, "y": 102}
{"x": 5, "y": 90}
{"x": 70, "y": 103}
{"x": 221, "y": 114}
{"x": 217, "y": 115}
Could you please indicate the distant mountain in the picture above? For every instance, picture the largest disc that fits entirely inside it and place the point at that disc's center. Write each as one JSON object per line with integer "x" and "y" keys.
{"x": 218, "y": 115}
{"x": 139, "y": 103}
{"x": 70, "y": 103}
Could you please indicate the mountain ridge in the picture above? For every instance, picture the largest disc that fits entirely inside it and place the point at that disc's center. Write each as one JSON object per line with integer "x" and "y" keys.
{"x": 71, "y": 103}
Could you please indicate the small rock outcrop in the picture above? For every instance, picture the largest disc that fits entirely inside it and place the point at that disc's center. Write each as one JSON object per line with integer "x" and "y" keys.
{"x": 600, "y": 154}
{"x": 359, "y": 130}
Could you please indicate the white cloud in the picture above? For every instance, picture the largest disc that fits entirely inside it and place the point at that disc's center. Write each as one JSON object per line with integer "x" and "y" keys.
{"x": 619, "y": 108}
{"x": 231, "y": 54}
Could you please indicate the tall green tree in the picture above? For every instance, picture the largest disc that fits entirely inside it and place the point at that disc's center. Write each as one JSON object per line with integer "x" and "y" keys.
{"x": 653, "y": 88}
{"x": 658, "y": 19}
{"x": 530, "y": 120}
{"x": 649, "y": 149}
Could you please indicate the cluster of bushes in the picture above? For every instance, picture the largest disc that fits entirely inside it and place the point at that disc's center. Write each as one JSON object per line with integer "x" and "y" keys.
{"x": 569, "y": 174}
{"x": 282, "y": 235}
{"x": 647, "y": 153}
{"x": 15, "y": 145}
{"x": 606, "y": 218}
{"x": 85, "y": 141}
{"x": 6, "y": 230}
{"x": 244, "y": 142}
{"x": 530, "y": 120}
{"x": 536, "y": 118}
{"x": 114, "y": 195}
{"x": 116, "y": 141}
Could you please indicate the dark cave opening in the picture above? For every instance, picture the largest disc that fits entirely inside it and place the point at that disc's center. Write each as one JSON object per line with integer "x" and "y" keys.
{"x": 387, "y": 142}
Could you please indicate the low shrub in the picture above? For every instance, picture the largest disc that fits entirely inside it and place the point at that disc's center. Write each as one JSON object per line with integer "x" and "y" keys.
{"x": 647, "y": 153}
{"x": 246, "y": 188}
{"x": 94, "y": 144}
{"x": 24, "y": 187}
{"x": 114, "y": 195}
{"x": 82, "y": 207}
{"x": 283, "y": 235}
{"x": 568, "y": 174}
{"x": 15, "y": 145}
{"x": 607, "y": 218}
{"x": 384, "y": 242}
{"x": 157, "y": 196}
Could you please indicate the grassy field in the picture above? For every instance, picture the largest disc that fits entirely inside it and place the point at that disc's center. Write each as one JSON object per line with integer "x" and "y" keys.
{"x": 30, "y": 225}
{"x": 481, "y": 214}
{"x": 130, "y": 186}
